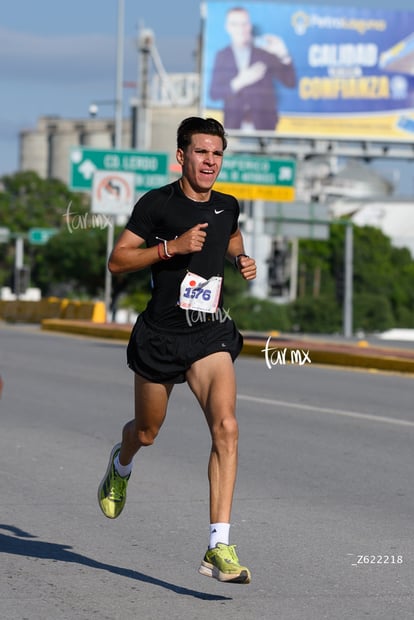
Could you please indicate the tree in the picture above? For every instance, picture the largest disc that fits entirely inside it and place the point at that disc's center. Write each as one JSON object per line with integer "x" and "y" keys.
{"x": 72, "y": 264}
{"x": 27, "y": 201}
{"x": 383, "y": 283}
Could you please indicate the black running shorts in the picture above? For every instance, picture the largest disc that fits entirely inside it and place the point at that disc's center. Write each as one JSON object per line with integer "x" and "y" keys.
{"x": 162, "y": 356}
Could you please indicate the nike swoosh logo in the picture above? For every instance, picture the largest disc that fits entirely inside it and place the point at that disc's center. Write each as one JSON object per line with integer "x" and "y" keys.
{"x": 217, "y": 212}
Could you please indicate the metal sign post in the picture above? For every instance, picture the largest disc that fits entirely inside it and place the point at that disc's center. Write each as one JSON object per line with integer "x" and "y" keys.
{"x": 348, "y": 279}
{"x": 112, "y": 195}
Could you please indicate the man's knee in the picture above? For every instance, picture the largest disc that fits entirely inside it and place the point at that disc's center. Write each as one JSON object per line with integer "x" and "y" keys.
{"x": 146, "y": 437}
{"x": 138, "y": 435}
{"x": 225, "y": 429}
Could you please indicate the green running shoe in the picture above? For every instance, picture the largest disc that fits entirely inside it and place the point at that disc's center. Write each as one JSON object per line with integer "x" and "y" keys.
{"x": 223, "y": 564}
{"x": 112, "y": 490}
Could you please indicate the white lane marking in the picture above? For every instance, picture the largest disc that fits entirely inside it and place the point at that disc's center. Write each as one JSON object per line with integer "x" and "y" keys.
{"x": 339, "y": 412}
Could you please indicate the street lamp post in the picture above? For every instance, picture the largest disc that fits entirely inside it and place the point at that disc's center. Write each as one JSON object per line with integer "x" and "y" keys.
{"x": 119, "y": 76}
{"x": 348, "y": 280}
{"x": 118, "y": 145}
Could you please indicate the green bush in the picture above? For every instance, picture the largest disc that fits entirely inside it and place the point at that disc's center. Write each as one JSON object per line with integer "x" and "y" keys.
{"x": 372, "y": 312}
{"x": 316, "y": 315}
{"x": 135, "y": 301}
{"x": 254, "y": 314}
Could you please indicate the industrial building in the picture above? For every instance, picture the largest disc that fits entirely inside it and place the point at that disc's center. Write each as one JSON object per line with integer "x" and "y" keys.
{"x": 46, "y": 148}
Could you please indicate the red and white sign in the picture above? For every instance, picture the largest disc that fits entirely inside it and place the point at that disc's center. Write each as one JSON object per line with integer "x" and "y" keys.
{"x": 113, "y": 193}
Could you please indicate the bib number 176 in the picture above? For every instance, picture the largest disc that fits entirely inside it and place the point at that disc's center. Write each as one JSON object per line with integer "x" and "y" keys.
{"x": 197, "y": 293}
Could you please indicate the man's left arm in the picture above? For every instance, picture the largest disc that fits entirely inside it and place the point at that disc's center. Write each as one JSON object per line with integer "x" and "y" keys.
{"x": 237, "y": 255}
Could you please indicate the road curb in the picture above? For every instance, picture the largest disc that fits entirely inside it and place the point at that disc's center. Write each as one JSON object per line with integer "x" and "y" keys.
{"x": 113, "y": 331}
{"x": 353, "y": 357}
{"x": 358, "y": 355}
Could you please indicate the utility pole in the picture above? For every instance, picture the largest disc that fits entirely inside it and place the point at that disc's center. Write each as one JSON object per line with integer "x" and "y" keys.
{"x": 119, "y": 76}
{"x": 348, "y": 280}
{"x": 18, "y": 265}
{"x": 118, "y": 145}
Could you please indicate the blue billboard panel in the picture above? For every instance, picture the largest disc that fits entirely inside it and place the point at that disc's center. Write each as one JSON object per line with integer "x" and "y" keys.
{"x": 307, "y": 70}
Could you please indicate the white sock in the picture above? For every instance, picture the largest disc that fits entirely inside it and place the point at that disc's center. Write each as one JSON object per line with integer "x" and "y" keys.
{"x": 219, "y": 533}
{"x": 123, "y": 470}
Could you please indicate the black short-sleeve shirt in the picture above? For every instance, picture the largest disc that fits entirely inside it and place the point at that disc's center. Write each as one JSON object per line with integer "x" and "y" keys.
{"x": 167, "y": 213}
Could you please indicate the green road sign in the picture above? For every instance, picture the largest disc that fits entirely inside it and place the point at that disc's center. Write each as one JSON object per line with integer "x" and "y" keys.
{"x": 40, "y": 236}
{"x": 257, "y": 178}
{"x": 150, "y": 169}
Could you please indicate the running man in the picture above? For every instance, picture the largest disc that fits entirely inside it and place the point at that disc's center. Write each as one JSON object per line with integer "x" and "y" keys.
{"x": 184, "y": 232}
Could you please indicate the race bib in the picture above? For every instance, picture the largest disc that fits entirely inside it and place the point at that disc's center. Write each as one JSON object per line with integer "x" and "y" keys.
{"x": 197, "y": 293}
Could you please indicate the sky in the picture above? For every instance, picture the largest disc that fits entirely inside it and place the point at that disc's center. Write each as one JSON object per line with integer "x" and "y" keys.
{"x": 56, "y": 57}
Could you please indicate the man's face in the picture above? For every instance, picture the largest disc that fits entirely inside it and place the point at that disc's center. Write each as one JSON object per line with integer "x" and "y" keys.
{"x": 239, "y": 28}
{"x": 201, "y": 161}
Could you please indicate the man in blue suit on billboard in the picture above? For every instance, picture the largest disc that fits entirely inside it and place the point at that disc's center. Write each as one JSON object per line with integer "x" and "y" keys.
{"x": 244, "y": 74}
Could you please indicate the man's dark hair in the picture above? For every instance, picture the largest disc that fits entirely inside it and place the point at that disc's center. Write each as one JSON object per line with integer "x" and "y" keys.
{"x": 195, "y": 124}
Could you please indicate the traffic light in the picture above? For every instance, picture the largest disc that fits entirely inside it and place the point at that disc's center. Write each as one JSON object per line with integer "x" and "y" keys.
{"x": 278, "y": 269}
{"x": 339, "y": 282}
{"x": 21, "y": 280}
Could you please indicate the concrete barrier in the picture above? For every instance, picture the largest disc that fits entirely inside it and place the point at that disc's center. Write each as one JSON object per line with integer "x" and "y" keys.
{"x": 355, "y": 355}
{"x": 113, "y": 331}
{"x": 19, "y": 311}
{"x": 337, "y": 354}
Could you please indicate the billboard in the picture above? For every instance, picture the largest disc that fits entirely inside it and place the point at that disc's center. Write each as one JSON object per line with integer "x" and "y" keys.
{"x": 305, "y": 70}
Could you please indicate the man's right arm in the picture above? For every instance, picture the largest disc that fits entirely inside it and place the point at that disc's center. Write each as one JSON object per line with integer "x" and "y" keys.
{"x": 128, "y": 255}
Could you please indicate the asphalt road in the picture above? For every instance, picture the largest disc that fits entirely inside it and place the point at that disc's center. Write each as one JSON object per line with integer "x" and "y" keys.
{"x": 323, "y": 511}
